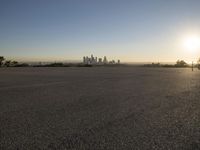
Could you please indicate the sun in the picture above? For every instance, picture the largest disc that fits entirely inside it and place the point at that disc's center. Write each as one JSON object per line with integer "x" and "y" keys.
{"x": 192, "y": 43}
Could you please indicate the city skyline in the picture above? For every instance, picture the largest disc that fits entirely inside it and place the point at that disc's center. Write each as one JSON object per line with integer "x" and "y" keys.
{"x": 98, "y": 60}
{"x": 132, "y": 31}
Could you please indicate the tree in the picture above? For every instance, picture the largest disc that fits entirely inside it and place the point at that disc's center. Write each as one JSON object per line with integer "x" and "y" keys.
{"x": 198, "y": 64}
{"x": 14, "y": 63}
{"x": 1, "y": 60}
{"x": 181, "y": 63}
{"x": 7, "y": 63}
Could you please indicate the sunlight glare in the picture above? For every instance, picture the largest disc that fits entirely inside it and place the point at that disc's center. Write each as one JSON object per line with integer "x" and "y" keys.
{"x": 192, "y": 43}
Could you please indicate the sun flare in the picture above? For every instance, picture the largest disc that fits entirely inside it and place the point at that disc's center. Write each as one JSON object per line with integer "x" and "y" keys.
{"x": 192, "y": 43}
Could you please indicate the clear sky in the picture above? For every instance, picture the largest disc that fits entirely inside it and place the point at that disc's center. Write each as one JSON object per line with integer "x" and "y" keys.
{"x": 131, "y": 30}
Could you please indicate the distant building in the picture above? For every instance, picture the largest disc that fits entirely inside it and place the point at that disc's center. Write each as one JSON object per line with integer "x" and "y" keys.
{"x": 84, "y": 59}
{"x": 112, "y": 62}
{"x": 95, "y": 61}
{"x": 118, "y": 61}
{"x": 105, "y": 61}
{"x": 100, "y": 61}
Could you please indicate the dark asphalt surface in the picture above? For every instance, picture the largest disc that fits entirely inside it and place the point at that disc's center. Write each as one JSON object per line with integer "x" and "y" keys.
{"x": 99, "y": 108}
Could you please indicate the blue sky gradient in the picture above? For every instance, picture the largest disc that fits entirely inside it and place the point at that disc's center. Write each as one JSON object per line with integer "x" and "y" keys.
{"x": 132, "y": 30}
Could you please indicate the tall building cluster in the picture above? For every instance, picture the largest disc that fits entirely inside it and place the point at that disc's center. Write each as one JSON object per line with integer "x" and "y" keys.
{"x": 98, "y": 61}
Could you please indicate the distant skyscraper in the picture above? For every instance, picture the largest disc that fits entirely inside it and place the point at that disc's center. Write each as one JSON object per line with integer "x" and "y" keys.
{"x": 84, "y": 60}
{"x": 87, "y": 60}
{"x": 100, "y": 61}
{"x": 105, "y": 61}
{"x": 94, "y": 60}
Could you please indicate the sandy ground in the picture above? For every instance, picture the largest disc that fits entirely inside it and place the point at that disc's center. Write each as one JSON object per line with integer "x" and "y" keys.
{"x": 99, "y": 108}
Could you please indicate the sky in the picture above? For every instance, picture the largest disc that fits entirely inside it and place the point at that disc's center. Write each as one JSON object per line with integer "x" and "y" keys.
{"x": 129, "y": 30}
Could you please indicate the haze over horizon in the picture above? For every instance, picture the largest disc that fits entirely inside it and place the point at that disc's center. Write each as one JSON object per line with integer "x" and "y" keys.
{"x": 129, "y": 30}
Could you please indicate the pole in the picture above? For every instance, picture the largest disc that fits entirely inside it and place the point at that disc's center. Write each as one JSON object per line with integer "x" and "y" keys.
{"x": 192, "y": 66}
